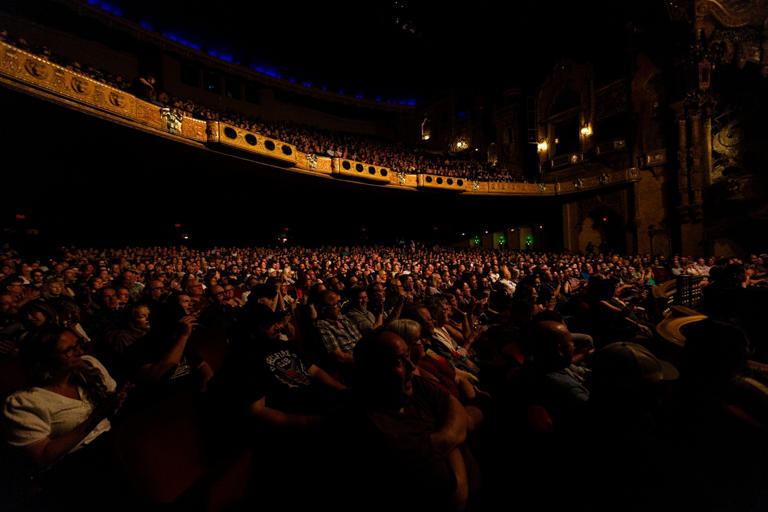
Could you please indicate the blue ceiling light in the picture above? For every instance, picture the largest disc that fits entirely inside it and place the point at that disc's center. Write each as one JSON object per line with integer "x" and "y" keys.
{"x": 359, "y": 96}
{"x": 412, "y": 102}
{"x": 147, "y": 25}
{"x": 378, "y": 98}
{"x": 307, "y": 84}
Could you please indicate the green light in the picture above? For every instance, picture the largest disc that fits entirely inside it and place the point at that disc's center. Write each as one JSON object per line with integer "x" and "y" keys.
{"x": 502, "y": 240}
{"x": 529, "y": 240}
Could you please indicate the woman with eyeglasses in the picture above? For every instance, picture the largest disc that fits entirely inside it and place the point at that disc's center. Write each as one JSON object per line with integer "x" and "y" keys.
{"x": 60, "y": 419}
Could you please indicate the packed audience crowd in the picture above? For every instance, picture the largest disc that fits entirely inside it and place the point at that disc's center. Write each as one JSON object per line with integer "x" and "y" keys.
{"x": 308, "y": 139}
{"x": 380, "y": 377}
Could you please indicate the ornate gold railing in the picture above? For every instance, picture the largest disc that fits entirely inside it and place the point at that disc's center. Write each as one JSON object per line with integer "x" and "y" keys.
{"x": 37, "y": 75}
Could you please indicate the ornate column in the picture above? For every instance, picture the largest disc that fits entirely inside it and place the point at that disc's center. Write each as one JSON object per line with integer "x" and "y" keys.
{"x": 708, "y": 149}
{"x": 696, "y": 172}
{"x": 682, "y": 174}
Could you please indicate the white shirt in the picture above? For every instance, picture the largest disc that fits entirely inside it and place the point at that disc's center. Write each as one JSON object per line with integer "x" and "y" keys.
{"x": 36, "y": 413}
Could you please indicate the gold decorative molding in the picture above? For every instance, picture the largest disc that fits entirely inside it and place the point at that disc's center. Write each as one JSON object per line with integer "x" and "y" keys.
{"x": 37, "y": 74}
{"x": 353, "y": 169}
{"x": 315, "y": 163}
{"x": 224, "y": 134}
{"x": 435, "y": 181}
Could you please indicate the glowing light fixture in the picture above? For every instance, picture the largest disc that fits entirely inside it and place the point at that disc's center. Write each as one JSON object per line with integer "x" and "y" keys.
{"x": 542, "y": 146}
{"x": 586, "y": 131}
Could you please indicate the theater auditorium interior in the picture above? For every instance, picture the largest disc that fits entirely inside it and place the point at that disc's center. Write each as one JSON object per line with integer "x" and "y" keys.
{"x": 390, "y": 255}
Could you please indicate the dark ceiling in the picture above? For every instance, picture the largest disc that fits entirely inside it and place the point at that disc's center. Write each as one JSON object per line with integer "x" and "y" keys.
{"x": 402, "y": 48}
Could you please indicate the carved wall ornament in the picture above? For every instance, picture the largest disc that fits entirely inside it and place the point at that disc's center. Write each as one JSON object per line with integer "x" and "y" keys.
{"x": 212, "y": 130}
{"x": 542, "y": 187}
{"x": 401, "y": 177}
{"x": 37, "y": 68}
{"x": 733, "y": 13}
{"x": 11, "y": 60}
{"x": 79, "y": 85}
{"x": 312, "y": 161}
{"x": 603, "y": 179}
{"x": 727, "y": 146}
{"x": 117, "y": 99}
{"x": 578, "y": 183}
{"x": 171, "y": 119}
{"x": 59, "y": 79}
{"x": 475, "y": 185}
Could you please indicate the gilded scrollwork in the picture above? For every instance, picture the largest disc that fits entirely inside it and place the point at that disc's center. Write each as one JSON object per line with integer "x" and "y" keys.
{"x": 172, "y": 120}
{"x": 212, "y": 129}
{"x": 80, "y": 85}
{"x": 37, "y": 68}
{"x": 59, "y": 80}
{"x": 734, "y": 13}
{"x": 727, "y": 145}
{"x": 312, "y": 161}
{"x": 10, "y": 61}
{"x": 118, "y": 100}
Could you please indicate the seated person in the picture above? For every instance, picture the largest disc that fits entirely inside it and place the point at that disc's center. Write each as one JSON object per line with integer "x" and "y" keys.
{"x": 403, "y": 437}
{"x": 554, "y": 384}
{"x": 61, "y": 419}
{"x": 162, "y": 358}
{"x": 444, "y": 344}
{"x": 436, "y": 369}
{"x": 337, "y": 332}
{"x": 357, "y": 311}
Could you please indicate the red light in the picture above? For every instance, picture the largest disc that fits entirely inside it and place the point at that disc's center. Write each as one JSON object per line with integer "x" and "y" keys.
{"x": 20, "y": 216}
{"x": 177, "y": 225}
{"x": 605, "y": 219}
{"x": 285, "y": 229}
{"x": 435, "y": 228}
{"x": 364, "y": 230}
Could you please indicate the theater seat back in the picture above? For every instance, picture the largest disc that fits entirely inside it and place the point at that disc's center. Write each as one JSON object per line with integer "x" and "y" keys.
{"x": 161, "y": 449}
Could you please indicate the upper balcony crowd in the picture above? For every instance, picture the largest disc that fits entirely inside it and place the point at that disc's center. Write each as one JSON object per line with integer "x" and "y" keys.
{"x": 311, "y": 140}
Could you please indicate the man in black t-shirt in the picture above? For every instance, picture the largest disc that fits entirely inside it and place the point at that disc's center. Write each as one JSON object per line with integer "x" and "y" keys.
{"x": 266, "y": 377}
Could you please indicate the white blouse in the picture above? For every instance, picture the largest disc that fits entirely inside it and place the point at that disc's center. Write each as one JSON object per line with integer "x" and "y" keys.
{"x": 36, "y": 413}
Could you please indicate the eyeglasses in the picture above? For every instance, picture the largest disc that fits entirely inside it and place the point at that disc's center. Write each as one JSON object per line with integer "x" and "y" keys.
{"x": 71, "y": 350}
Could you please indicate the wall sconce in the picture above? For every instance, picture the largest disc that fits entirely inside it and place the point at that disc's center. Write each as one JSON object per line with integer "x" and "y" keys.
{"x": 586, "y": 131}
{"x": 542, "y": 146}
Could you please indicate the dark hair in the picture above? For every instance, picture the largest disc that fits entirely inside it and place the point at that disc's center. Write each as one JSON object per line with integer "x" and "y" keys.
{"x": 40, "y": 360}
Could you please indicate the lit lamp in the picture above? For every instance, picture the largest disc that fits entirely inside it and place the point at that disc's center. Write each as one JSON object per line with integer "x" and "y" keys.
{"x": 542, "y": 146}
{"x": 586, "y": 131}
